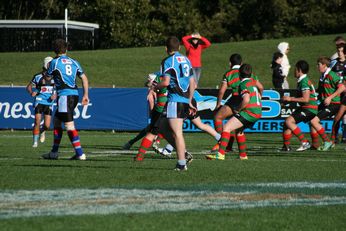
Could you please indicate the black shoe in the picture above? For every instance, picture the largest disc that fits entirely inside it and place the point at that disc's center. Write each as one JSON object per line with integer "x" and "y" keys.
{"x": 343, "y": 140}
{"x": 180, "y": 168}
{"x": 188, "y": 157}
{"x": 286, "y": 149}
{"x": 313, "y": 148}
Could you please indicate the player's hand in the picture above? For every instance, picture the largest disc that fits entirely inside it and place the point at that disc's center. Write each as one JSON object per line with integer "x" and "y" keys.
{"x": 192, "y": 110}
{"x": 217, "y": 107}
{"x": 53, "y": 97}
{"x": 85, "y": 100}
{"x": 286, "y": 99}
{"x": 33, "y": 94}
{"x": 327, "y": 101}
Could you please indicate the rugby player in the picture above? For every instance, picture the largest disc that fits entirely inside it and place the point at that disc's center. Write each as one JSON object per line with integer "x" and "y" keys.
{"x": 250, "y": 111}
{"x": 64, "y": 71}
{"x": 44, "y": 94}
{"x": 307, "y": 110}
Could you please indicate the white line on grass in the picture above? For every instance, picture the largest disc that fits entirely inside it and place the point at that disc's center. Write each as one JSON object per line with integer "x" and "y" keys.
{"x": 26, "y": 203}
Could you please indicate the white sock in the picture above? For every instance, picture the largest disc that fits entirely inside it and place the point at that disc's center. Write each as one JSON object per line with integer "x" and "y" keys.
{"x": 217, "y": 137}
{"x": 169, "y": 148}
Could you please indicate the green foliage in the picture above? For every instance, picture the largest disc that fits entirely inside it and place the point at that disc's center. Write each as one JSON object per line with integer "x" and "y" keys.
{"x": 129, "y": 23}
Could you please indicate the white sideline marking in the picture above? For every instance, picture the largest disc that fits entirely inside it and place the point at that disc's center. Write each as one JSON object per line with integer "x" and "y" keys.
{"x": 60, "y": 202}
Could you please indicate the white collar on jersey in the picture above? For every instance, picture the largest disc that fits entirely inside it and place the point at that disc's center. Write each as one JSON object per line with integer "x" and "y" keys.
{"x": 301, "y": 78}
{"x": 236, "y": 67}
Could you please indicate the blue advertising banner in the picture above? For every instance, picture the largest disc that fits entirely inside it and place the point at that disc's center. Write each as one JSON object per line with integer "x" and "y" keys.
{"x": 126, "y": 109}
{"x": 123, "y": 109}
{"x": 274, "y": 112}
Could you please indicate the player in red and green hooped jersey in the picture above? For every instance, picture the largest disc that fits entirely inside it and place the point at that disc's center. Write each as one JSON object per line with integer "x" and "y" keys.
{"x": 156, "y": 115}
{"x": 330, "y": 87}
{"x": 230, "y": 80}
{"x": 305, "y": 113}
{"x": 250, "y": 111}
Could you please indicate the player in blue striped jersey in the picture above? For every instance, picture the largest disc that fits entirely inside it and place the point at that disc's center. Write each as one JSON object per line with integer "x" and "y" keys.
{"x": 177, "y": 75}
{"x": 41, "y": 87}
{"x": 65, "y": 71}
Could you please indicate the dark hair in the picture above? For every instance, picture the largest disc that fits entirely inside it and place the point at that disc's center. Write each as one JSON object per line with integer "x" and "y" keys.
{"x": 276, "y": 55}
{"x": 324, "y": 60}
{"x": 235, "y": 59}
{"x": 245, "y": 71}
{"x": 303, "y": 66}
{"x": 339, "y": 38}
{"x": 172, "y": 44}
{"x": 60, "y": 46}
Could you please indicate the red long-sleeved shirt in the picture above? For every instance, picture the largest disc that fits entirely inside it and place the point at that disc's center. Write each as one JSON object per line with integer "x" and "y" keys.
{"x": 194, "y": 54}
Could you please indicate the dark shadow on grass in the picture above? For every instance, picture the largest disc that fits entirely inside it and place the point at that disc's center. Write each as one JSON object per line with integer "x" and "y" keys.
{"x": 60, "y": 166}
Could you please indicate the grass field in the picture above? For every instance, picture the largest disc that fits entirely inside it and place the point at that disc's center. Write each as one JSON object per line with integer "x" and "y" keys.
{"x": 128, "y": 67}
{"x": 270, "y": 191}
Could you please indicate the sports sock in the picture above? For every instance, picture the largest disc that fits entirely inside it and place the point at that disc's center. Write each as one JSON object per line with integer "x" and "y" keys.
{"x": 298, "y": 133}
{"x": 231, "y": 140}
{"x": 223, "y": 142}
{"x": 344, "y": 131}
{"x": 35, "y": 134}
{"x": 314, "y": 139}
{"x": 145, "y": 145}
{"x": 57, "y": 139}
{"x": 218, "y": 126}
{"x": 182, "y": 162}
{"x": 241, "y": 139}
{"x": 335, "y": 131}
{"x": 217, "y": 136}
{"x": 140, "y": 135}
{"x": 169, "y": 147}
{"x": 323, "y": 135}
{"x": 287, "y": 138}
{"x": 75, "y": 141}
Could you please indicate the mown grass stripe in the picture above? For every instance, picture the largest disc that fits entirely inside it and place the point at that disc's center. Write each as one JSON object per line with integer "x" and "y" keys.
{"x": 30, "y": 203}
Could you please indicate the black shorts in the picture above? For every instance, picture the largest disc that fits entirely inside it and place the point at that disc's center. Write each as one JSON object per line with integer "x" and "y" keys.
{"x": 343, "y": 100}
{"x": 45, "y": 109}
{"x": 234, "y": 102}
{"x": 155, "y": 123}
{"x": 245, "y": 122}
{"x": 192, "y": 117}
{"x": 65, "y": 107}
{"x": 327, "y": 111}
{"x": 178, "y": 110}
{"x": 303, "y": 115}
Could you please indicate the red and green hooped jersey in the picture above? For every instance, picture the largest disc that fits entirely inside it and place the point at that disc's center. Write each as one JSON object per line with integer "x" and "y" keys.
{"x": 253, "y": 110}
{"x": 161, "y": 98}
{"x": 232, "y": 79}
{"x": 305, "y": 84}
{"x": 328, "y": 84}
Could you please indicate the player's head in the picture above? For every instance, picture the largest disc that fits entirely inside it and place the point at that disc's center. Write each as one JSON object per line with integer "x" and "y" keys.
{"x": 245, "y": 71}
{"x": 302, "y": 67}
{"x": 339, "y": 41}
{"x": 46, "y": 62}
{"x": 60, "y": 46}
{"x": 172, "y": 44}
{"x": 323, "y": 63}
{"x": 235, "y": 59}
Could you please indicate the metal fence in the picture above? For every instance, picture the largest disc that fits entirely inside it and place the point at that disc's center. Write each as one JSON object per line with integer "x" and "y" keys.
{"x": 37, "y": 35}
